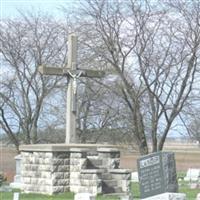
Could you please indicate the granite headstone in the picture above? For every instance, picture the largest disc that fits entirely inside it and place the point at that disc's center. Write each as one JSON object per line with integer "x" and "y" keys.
{"x": 157, "y": 174}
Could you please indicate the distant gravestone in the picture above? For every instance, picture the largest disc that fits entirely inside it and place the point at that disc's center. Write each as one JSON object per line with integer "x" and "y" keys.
{"x": 17, "y": 178}
{"x": 192, "y": 175}
{"x": 193, "y": 185}
{"x": 134, "y": 177}
{"x": 84, "y": 196}
{"x": 16, "y": 196}
{"x": 157, "y": 174}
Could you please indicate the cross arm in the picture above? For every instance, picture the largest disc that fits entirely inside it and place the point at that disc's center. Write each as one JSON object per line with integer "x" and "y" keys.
{"x": 92, "y": 73}
{"x": 51, "y": 70}
{"x": 66, "y": 71}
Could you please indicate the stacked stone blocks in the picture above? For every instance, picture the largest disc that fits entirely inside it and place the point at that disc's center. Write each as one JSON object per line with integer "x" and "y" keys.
{"x": 74, "y": 170}
{"x": 45, "y": 172}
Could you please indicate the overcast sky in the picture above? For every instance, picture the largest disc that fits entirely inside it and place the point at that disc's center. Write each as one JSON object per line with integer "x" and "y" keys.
{"x": 9, "y": 7}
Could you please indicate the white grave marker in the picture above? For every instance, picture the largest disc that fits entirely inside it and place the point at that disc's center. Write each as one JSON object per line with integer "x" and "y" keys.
{"x": 17, "y": 184}
{"x": 16, "y": 196}
{"x": 134, "y": 177}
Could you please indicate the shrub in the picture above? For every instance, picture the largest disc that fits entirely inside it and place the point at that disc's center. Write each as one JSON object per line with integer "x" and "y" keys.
{"x": 2, "y": 178}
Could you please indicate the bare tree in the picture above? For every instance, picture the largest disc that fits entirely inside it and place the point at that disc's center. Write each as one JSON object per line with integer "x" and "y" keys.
{"x": 27, "y": 43}
{"x": 154, "y": 49}
{"x": 98, "y": 111}
{"x": 195, "y": 129}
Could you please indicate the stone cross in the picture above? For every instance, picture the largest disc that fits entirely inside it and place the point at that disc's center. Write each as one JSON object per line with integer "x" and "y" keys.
{"x": 73, "y": 74}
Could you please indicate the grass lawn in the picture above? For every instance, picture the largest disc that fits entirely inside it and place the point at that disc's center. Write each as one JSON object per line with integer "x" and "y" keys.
{"x": 183, "y": 188}
{"x": 65, "y": 196}
{"x": 190, "y": 193}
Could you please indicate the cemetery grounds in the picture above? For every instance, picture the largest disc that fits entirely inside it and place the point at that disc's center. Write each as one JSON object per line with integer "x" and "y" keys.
{"x": 187, "y": 156}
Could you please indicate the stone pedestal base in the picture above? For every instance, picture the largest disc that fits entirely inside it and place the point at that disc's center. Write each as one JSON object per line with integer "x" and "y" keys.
{"x": 78, "y": 168}
{"x": 168, "y": 196}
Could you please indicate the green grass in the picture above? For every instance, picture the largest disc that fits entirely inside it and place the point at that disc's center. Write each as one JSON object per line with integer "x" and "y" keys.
{"x": 9, "y": 196}
{"x": 64, "y": 196}
{"x": 190, "y": 193}
{"x": 183, "y": 188}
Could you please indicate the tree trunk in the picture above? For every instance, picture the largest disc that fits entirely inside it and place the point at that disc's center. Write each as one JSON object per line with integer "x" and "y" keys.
{"x": 143, "y": 148}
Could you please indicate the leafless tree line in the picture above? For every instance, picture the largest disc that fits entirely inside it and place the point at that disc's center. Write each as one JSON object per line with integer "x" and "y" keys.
{"x": 27, "y": 43}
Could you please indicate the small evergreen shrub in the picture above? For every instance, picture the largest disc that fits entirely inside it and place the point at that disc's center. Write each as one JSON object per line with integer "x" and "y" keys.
{"x": 2, "y": 178}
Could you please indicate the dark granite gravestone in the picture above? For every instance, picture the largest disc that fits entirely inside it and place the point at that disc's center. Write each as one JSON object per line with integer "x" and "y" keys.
{"x": 157, "y": 174}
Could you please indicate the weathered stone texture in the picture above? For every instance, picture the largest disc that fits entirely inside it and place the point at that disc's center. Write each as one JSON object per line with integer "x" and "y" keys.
{"x": 45, "y": 172}
{"x": 157, "y": 174}
{"x": 77, "y": 170}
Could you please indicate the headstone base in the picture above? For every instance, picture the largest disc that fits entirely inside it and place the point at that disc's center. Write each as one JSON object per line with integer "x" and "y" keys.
{"x": 167, "y": 196}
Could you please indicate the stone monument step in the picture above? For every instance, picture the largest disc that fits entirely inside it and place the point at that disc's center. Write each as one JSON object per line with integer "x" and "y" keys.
{"x": 110, "y": 186}
{"x": 111, "y": 190}
{"x": 110, "y": 183}
{"x": 94, "y": 163}
{"x": 116, "y": 194}
{"x": 106, "y": 176}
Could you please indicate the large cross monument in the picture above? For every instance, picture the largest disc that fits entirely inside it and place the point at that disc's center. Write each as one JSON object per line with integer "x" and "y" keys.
{"x": 72, "y": 72}
{"x": 75, "y": 168}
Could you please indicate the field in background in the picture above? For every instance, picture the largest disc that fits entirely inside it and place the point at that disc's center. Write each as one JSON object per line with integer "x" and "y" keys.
{"x": 7, "y": 162}
{"x": 187, "y": 156}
